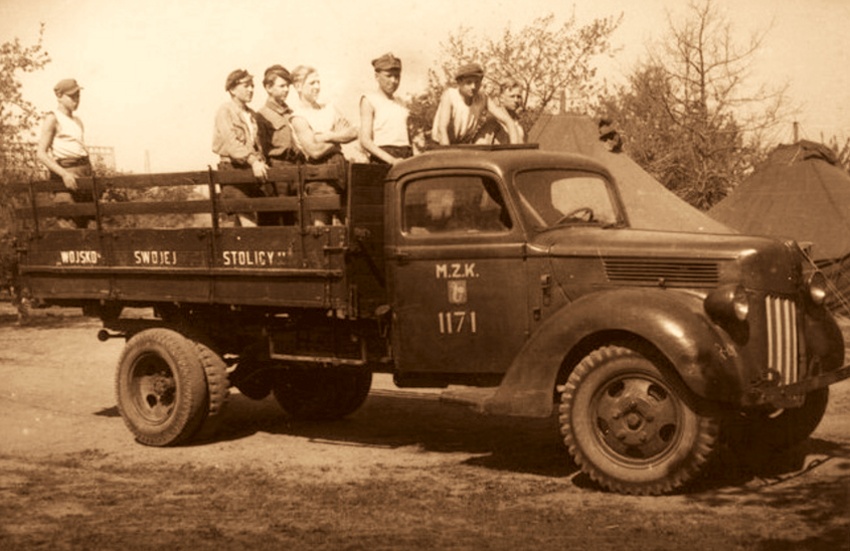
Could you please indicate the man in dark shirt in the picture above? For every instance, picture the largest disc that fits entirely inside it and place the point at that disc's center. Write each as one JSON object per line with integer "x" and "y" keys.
{"x": 275, "y": 132}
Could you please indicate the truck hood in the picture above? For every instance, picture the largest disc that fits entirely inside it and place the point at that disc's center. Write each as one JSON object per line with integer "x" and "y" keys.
{"x": 674, "y": 259}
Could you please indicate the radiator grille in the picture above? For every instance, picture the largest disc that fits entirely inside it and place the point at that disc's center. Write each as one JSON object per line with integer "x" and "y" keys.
{"x": 781, "y": 315}
{"x": 673, "y": 272}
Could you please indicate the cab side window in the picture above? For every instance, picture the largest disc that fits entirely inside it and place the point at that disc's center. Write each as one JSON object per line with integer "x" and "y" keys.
{"x": 454, "y": 205}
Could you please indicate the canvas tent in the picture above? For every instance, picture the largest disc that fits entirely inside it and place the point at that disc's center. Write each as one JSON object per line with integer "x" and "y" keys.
{"x": 800, "y": 193}
{"x": 649, "y": 204}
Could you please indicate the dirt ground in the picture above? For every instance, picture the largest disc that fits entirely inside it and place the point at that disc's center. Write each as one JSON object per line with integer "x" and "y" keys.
{"x": 404, "y": 472}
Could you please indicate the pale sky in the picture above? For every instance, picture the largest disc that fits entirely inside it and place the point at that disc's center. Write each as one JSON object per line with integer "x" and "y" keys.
{"x": 153, "y": 71}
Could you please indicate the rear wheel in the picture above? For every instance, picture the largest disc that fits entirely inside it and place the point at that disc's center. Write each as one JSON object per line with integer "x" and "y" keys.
{"x": 627, "y": 424}
{"x": 218, "y": 387}
{"x": 161, "y": 387}
{"x": 321, "y": 394}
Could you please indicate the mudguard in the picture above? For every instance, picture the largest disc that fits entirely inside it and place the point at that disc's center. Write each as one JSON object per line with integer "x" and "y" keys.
{"x": 703, "y": 355}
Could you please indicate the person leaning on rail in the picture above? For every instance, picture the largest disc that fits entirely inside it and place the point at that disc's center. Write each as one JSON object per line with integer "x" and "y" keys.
{"x": 319, "y": 130}
{"x": 464, "y": 109}
{"x": 236, "y": 141}
{"x": 275, "y": 132}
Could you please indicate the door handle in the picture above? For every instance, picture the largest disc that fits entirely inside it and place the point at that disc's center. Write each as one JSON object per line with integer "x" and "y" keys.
{"x": 402, "y": 257}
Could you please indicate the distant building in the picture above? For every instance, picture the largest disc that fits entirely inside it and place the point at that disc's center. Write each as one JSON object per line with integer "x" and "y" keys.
{"x": 102, "y": 156}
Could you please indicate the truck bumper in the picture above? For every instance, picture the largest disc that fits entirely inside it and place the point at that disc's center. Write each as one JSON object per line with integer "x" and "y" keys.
{"x": 793, "y": 395}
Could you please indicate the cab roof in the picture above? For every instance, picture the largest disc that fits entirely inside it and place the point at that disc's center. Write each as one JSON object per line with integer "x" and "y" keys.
{"x": 499, "y": 159}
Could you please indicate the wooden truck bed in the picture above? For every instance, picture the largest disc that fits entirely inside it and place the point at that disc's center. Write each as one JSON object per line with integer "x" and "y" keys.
{"x": 129, "y": 255}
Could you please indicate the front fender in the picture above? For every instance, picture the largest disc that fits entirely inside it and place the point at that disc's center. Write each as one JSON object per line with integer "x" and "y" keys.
{"x": 703, "y": 355}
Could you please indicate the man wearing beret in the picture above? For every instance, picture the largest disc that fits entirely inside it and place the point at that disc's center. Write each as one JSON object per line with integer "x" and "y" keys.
{"x": 236, "y": 139}
{"x": 383, "y": 119}
{"x": 464, "y": 109}
{"x": 62, "y": 149}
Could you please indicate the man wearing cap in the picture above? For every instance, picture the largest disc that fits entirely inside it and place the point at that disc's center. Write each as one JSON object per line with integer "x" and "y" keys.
{"x": 62, "y": 149}
{"x": 236, "y": 139}
{"x": 464, "y": 109}
{"x": 383, "y": 119}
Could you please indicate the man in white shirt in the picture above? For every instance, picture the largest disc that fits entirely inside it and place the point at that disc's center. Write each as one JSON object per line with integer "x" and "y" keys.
{"x": 62, "y": 149}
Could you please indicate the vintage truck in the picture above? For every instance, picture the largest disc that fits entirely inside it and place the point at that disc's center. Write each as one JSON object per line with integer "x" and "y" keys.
{"x": 508, "y": 275}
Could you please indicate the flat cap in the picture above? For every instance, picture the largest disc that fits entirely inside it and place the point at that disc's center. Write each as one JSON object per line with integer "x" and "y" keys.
{"x": 387, "y": 62}
{"x": 469, "y": 70}
{"x": 235, "y": 77}
{"x": 66, "y": 86}
{"x": 277, "y": 71}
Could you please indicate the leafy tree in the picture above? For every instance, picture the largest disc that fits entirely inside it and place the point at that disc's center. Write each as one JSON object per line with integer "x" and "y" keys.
{"x": 690, "y": 113}
{"x": 553, "y": 63}
{"x": 18, "y": 118}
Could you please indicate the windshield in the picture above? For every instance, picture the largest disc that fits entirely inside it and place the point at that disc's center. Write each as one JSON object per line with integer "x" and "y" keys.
{"x": 553, "y": 198}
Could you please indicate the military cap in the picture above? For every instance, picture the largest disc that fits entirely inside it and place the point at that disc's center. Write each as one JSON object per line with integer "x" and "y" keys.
{"x": 235, "y": 77}
{"x": 66, "y": 86}
{"x": 469, "y": 70}
{"x": 387, "y": 62}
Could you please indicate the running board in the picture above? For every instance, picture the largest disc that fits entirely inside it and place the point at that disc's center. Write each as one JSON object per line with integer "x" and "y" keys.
{"x": 471, "y": 397}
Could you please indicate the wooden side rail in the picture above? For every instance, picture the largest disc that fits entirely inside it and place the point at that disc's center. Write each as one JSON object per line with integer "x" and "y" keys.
{"x": 260, "y": 204}
{"x": 38, "y": 205}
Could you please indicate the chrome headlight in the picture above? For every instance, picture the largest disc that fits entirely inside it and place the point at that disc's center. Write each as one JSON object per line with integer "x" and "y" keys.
{"x": 729, "y": 302}
{"x": 817, "y": 287}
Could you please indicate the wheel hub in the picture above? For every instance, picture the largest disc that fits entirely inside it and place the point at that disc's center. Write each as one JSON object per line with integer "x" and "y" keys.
{"x": 636, "y": 418}
{"x": 156, "y": 394}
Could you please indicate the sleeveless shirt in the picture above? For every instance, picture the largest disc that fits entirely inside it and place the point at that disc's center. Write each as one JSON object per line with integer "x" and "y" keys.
{"x": 464, "y": 120}
{"x": 68, "y": 141}
{"x": 389, "y": 124}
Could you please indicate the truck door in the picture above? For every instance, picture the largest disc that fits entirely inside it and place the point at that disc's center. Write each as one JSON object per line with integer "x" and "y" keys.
{"x": 457, "y": 276}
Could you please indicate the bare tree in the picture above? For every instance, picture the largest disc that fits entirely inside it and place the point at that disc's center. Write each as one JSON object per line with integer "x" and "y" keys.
{"x": 693, "y": 112}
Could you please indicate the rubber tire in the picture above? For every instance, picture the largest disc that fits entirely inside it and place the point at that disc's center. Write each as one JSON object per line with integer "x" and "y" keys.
{"x": 169, "y": 409}
{"x": 218, "y": 387}
{"x": 321, "y": 394}
{"x": 615, "y": 387}
{"x": 778, "y": 430}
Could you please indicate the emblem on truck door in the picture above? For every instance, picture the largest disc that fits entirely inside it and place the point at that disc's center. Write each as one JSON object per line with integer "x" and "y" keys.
{"x": 457, "y": 291}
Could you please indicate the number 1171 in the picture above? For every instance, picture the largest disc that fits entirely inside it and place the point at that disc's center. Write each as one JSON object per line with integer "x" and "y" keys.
{"x": 457, "y": 321}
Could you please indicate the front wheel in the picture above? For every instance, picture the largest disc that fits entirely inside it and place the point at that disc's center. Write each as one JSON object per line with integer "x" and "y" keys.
{"x": 161, "y": 387}
{"x": 628, "y": 426}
